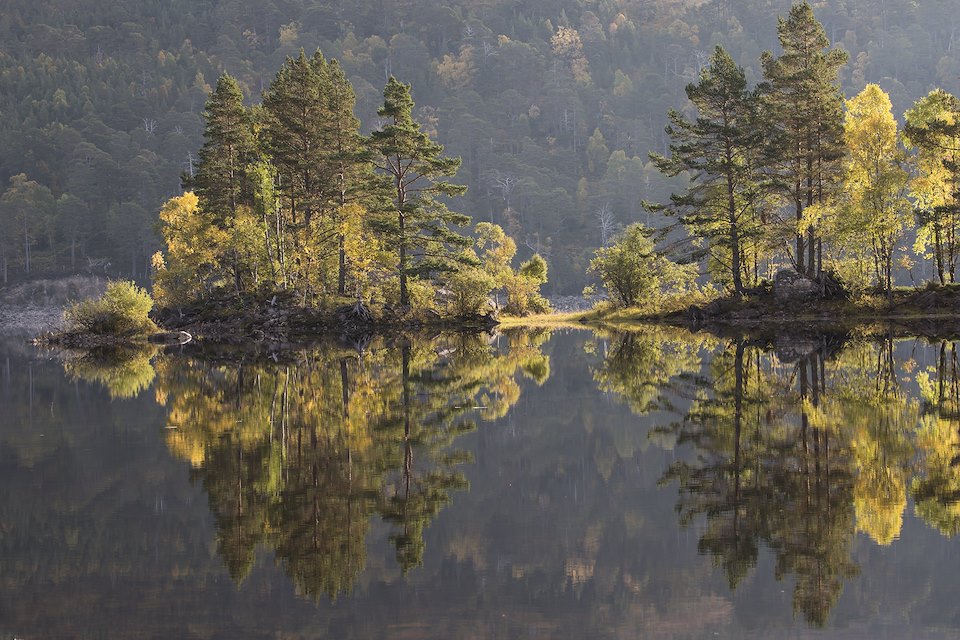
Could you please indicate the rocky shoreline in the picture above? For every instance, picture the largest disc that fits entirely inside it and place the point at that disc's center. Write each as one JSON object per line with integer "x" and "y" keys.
{"x": 280, "y": 322}
{"x": 33, "y": 311}
{"x": 36, "y": 307}
{"x": 933, "y": 311}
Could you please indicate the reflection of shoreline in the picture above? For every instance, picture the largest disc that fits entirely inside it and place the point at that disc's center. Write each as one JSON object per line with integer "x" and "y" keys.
{"x": 929, "y": 313}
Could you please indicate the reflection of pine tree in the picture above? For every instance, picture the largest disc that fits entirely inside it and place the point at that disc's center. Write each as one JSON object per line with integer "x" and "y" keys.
{"x": 416, "y": 496}
{"x": 321, "y": 518}
{"x": 812, "y": 528}
{"x": 770, "y": 470}
{"x": 727, "y": 483}
{"x": 238, "y": 504}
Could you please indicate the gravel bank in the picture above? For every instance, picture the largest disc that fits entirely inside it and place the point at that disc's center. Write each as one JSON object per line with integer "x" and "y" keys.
{"x": 31, "y": 308}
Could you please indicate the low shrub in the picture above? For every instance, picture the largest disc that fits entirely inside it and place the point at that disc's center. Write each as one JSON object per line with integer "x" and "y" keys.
{"x": 122, "y": 310}
{"x": 469, "y": 292}
{"x": 523, "y": 288}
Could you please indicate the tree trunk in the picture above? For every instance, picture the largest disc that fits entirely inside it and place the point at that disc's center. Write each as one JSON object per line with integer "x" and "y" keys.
{"x": 952, "y": 250}
{"x": 268, "y": 247}
{"x": 801, "y": 266}
{"x": 281, "y": 258}
{"x": 238, "y": 285}
{"x": 401, "y": 201}
{"x": 342, "y": 267}
{"x": 820, "y": 257}
{"x": 889, "y": 267}
{"x": 26, "y": 246}
{"x": 938, "y": 251}
{"x": 734, "y": 240}
{"x": 404, "y": 296}
{"x": 811, "y": 233}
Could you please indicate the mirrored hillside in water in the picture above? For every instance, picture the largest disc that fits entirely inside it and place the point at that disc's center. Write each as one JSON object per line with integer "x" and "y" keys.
{"x": 575, "y": 484}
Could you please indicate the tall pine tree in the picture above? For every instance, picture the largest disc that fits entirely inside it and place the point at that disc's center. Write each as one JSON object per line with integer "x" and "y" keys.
{"x": 297, "y": 138}
{"x": 229, "y": 145}
{"x": 805, "y": 109}
{"x": 351, "y": 158}
{"x": 296, "y": 110}
{"x": 721, "y": 150}
{"x": 222, "y": 182}
{"x": 420, "y": 229}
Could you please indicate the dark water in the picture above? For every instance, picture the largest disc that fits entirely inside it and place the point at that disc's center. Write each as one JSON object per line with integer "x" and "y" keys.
{"x": 653, "y": 485}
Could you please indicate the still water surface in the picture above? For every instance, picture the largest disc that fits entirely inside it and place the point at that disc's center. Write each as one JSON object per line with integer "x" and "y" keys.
{"x": 574, "y": 485}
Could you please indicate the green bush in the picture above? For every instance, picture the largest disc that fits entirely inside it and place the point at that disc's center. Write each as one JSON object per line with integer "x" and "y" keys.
{"x": 122, "y": 310}
{"x": 523, "y": 288}
{"x": 635, "y": 274}
{"x": 469, "y": 291}
{"x": 421, "y": 294}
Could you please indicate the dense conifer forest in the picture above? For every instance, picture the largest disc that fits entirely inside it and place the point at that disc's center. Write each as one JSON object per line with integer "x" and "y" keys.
{"x": 553, "y": 107}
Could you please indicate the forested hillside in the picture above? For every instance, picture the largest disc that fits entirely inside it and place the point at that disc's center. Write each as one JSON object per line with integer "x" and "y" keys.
{"x": 553, "y": 105}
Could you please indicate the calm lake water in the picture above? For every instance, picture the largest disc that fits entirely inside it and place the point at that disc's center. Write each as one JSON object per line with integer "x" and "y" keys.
{"x": 573, "y": 485}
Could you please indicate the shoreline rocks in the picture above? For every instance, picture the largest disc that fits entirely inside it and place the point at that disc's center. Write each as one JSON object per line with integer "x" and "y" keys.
{"x": 31, "y": 308}
{"x": 790, "y": 285}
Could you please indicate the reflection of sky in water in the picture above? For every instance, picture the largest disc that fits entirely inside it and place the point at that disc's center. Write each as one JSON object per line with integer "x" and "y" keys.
{"x": 589, "y": 486}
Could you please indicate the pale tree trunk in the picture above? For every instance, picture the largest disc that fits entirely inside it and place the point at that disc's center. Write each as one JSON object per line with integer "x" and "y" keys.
{"x": 404, "y": 296}
{"x": 26, "y": 245}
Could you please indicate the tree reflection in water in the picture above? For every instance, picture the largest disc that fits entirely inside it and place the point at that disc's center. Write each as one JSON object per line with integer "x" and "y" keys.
{"x": 792, "y": 451}
{"x": 796, "y": 450}
{"x": 300, "y": 456}
{"x": 936, "y": 488}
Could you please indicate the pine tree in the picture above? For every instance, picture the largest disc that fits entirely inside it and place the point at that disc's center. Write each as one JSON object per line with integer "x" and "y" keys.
{"x": 297, "y": 138}
{"x": 721, "y": 149}
{"x": 296, "y": 118}
{"x": 26, "y": 211}
{"x": 420, "y": 232}
{"x": 805, "y": 109}
{"x": 351, "y": 160}
{"x": 221, "y": 182}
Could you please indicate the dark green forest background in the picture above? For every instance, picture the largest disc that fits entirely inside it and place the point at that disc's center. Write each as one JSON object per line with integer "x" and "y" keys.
{"x": 552, "y": 104}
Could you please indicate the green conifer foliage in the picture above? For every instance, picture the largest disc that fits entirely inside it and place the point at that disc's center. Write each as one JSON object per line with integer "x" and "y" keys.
{"x": 221, "y": 180}
{"x": 721, "y": 149}
{"x": 804, "y": 106}
{"x": 420, "y": 229}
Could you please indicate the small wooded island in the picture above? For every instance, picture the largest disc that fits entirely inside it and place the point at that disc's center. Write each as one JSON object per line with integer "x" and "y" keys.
{"x": 295, "y": 223}
{"x": 797, "y": 204}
